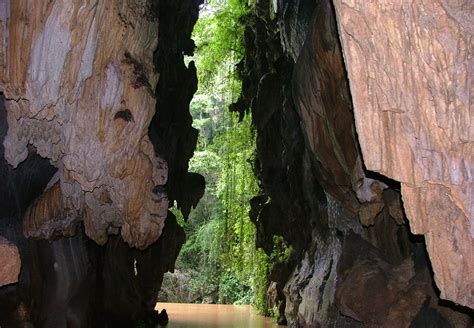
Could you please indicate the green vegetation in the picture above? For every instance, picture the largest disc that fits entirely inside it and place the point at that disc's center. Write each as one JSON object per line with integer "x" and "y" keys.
{"x": 219, "y": 39}
{"x": 219, "y": 255}
{"x": 219, "y": 262}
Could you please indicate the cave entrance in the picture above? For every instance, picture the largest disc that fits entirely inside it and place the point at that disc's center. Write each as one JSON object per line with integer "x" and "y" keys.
{"x": 219, "y": 262}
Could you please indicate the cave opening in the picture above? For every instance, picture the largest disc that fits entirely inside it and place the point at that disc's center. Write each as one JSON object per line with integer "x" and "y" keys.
{"x": 219, "y": 262}
{"x": 338, "y": 190}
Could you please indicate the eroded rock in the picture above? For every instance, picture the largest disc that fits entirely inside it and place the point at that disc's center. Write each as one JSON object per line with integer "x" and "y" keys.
{"x": 317, "y": 189}
{"x": 10, "y": 262}
{"x": 410, "y": 70}
{"x": 375, "y": 292}
{"x": 106, "y": 100}
{"x": 45, "y": 216}
{"x": 79, "y": 85}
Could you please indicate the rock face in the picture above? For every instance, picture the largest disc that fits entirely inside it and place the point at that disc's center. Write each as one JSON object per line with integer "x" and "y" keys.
{"x": 10, "y": 263}
{"x": 93, "y": 144}
{"x": 18, "y": 189}
{"x": 100, "y": 62}
{"x": 171, "y": 130}
{"x": 410, "y": 69}
{"x": 79, "y": 85}
{"x": 374, "y": 291}
{"x": 354, "y": 262}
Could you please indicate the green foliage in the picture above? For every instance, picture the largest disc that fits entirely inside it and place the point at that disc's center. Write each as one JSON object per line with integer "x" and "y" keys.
{"x": 220, "y": 253}
{"x": 281, "y": 250}
{"x": 219, "y": 262}
{"x": 219, "y": 41}
{"x": 179, "y": 216}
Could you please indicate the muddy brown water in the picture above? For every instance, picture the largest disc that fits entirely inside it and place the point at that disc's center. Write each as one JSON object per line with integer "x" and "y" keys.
{"x": 214, "y": 315}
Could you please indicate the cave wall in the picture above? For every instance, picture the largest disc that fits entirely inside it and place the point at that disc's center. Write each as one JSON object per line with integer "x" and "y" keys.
{"x": 410, "y": 69}
{"x": 91, "y": 148}
{"x": 10, "y": 262}
{"x": 355, "y": 261}
{"x": 171, "y": 130}
{"x": 79, "y": 86}
{"x": 86, "y": 207}
{"x": 18, "y": 189}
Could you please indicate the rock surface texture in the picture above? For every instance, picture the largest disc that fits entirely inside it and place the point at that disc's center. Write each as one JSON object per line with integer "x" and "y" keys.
{"x": 96, "y": 136}
{"x": 10, "y": 263}
{"x": 410, "y": 68}
{"x": 79, "y": 89}
{"x": 79, "y": 79}
{"x": 354, "y": 261}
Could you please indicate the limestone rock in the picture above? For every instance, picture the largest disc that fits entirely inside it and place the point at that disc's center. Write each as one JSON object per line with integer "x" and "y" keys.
{"x": 46, "y": 216}
{"x": 10, "y": 263}
{"x": 310, "y": 289}
{"x": 71, "y": 281}
{"x": 79, "y": 79}
{"x": 410, "y": 71}
{"x": 323, "y": 102}
{"x": 316, "y": 189}
{"x": 373, "y": 291}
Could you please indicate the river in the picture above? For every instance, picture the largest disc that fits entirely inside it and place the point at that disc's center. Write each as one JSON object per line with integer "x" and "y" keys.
{"x": 214, "y": 315}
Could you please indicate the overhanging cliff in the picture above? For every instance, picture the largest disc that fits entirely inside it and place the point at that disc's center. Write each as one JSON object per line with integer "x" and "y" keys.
{"x": 410, "y": 69}
{"x": 354, "y": 254}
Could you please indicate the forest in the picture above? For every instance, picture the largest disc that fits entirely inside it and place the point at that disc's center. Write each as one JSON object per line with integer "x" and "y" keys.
{"x": 219, "y": 263}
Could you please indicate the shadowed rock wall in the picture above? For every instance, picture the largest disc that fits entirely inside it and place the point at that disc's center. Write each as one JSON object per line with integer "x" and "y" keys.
{"x": 354, "y": 261}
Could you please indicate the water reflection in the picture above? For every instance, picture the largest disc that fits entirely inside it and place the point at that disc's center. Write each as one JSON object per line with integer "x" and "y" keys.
{"x": 214, "y": 315}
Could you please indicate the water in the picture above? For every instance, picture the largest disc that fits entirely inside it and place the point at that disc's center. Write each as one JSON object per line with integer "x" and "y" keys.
{"x": 214, "y": 315}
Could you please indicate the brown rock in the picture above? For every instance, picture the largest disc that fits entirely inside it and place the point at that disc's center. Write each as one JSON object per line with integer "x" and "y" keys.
{"x": 395, "y": 206}
{"x": 410, "y": 70}
{"x": 79, "y": 78}
{"x": 375, "y": 292}
{"x": 10, "y": 263}
{"x": 48, "y": 215}
{"x": 323, "y": 101}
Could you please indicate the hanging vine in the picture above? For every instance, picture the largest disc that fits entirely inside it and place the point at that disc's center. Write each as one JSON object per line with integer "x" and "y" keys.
{"x": 219, "y": 261}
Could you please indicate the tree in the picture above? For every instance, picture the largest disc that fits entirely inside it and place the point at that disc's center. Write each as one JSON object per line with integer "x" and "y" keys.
{"x": 220, "y": 253}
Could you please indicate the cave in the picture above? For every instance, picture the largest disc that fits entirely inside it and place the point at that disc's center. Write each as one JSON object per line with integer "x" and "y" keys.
{"x": 362, "y": 112}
